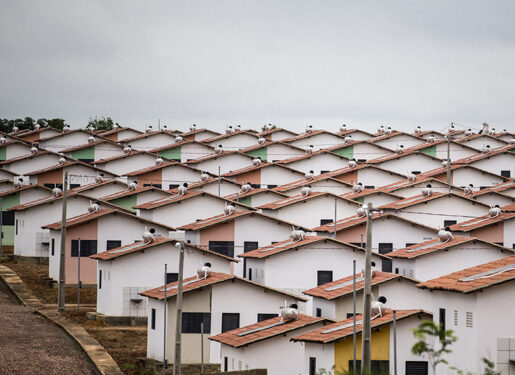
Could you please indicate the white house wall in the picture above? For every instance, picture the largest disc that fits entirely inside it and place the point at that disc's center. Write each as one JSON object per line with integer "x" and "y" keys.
{"x": 407, "y": 164}
{"x": 35, "y": 163}
{"x": 227, "y": 163}
{"x": 129, "y": 164}
{"x": 497, "y": 163}
{"x": 245, "y": 299}
{"x": 318, "y": 141}
{"x": 141, "y": 271}
{"x": 465, "y": 176}
{"x": 235, "y": 142}
{"x": 63, "y": 142}
{"x": 441, "y": 209}
{"x": 319, "y": 163}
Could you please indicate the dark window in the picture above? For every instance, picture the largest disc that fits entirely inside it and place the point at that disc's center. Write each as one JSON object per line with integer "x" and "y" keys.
{"x": 377, "y": 367}
{"x": 500, "y": 243}
{"x": 385, "y": 248}
{"x": 153, "y": 319}
{"x": 350, "y": 315}
{"x": 172, "y": 277}
{"x": 319, "y": 312}
{"x": 442, "y": 324}
{"x": 483, "y": 187}
{"x": 250, "y": 274}
{"x": 410, "y": 244}
{"x": 73, "y": 186}
{"x": 191, "y": 322}
{"x": 370, "y": 187}
{"x": 222, "y": 247}
{"x": 230, "y": 321}
{"x": 448, "y": 223}
{"x": 271, "y": 186}
{"x": 113, "y": 244}
{"x": 248, "y": 246}
{"x": 7, "y": 217}
{"x": 256, "y": 186}
{"x": 325, "y": 221}
{"x": 87, "y": 248}
{"x": 154, "y": 185}
{"x": 173, "y": 186}
{"x": 51, "y": 186}
{"x": 324, "y": 277}
{"x": 364, "y": 244}
{"x": 416, "y": 368}
{"x": 86, "y": 160}
{"x": 226, "y": 364}
{"x": 312, "y": 366}
{"x": 261, "y": 317}
{"x": 415, "y": 172}
{"x": 396, "y": 270}
{"x": 506, "y": 174}
{"x": 322, "y": 172}
{"x": 100, "y": 279}
{"x": 362, "y": 160}
{"x": 16, "y": 226}
{"x": 53, "y": 246}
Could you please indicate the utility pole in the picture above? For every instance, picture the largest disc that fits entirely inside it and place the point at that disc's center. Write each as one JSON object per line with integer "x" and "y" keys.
{"x": 354, "y": 311}
{"x": 165, "y": 362}
{"x": 178, "y": 323}
{"x": 62, "y": 252}
{"x": 219, "y": 180}
{"x": 449, "y": 161}
{"x": 367, "y": 293}
{"x": 78, "y": 276}
{"x": 394, "y": 343}
{"x": 1, "y": 225}
{"x": 335, "y": 206}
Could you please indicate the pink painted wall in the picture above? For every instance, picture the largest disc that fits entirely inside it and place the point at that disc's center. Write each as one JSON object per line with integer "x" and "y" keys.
{"x": 220, "y": 232}
{"x": 352, "y": 234}
{"x": 88, "y": 267}
{"x": 491, "y": 233}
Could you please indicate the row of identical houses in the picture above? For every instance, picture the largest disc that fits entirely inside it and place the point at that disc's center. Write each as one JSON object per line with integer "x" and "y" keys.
{"x": 272, "y": 225}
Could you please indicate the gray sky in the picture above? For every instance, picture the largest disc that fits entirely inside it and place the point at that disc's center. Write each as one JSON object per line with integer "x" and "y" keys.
{"x": 364, "y": 63}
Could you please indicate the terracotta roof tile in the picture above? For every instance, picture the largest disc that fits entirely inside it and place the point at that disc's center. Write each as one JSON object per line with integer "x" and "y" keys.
{"x": 279, "y": 247}
{"x": 301, "y": 198}
{"x": 205, "y": 223}
{"x": 342, "y": 287}
{"x": 321, "y": 335}
{"x": 508, "y": 212}
{"x": 194, "y": 283}
{"x": 233, "y": 338}
{"x": 475, "y": 278}
{"x": 252, "y": 192}
{"x": 227, "y": 135}
{"x": 141, "y": 245}
{"x": 434, "y": 245}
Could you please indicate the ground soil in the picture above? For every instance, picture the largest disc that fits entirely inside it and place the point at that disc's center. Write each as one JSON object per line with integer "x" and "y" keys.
{"x": 33, "y": 275}
{"x": 124, "y": 344}
{"x": 31, "y": 344}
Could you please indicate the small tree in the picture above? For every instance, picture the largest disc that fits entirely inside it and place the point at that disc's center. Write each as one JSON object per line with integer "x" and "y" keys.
{"x": 102, "y": 123}
{"x": 433, "y": 341}
{"x": 56, "y": 123}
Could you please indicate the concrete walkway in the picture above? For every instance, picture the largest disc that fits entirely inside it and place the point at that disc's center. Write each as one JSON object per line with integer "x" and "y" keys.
{"x": 30, "y": 344}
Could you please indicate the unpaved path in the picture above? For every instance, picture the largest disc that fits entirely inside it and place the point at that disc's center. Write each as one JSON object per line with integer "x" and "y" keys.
{"x": 31, "y": 344}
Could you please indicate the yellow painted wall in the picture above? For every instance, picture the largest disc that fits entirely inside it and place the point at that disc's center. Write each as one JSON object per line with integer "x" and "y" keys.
{"x": 380, "y": 348}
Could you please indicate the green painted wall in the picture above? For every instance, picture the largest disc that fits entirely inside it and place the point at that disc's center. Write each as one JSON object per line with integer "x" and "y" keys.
{"x": 85, "y": 153}
{"x": 245, "y": 200}
{"x": 3, "y": 152}
{"x": 172, "y": 153}
{"x": 431, "y": 151}
{"x": 8, "y": 235}
{"x": 9, "y": 201}
{"x": 260, "y": 152}
{"x": 126, "y": 202}
{"x": 346, "y": 152}
{"x": 360, "y": 199}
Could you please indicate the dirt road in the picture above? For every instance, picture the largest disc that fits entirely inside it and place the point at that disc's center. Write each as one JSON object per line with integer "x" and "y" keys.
{"x": 30, "y": 344}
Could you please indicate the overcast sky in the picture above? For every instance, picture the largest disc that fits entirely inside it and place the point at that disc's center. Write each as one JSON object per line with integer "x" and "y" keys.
{"x": 213, "y": 62}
